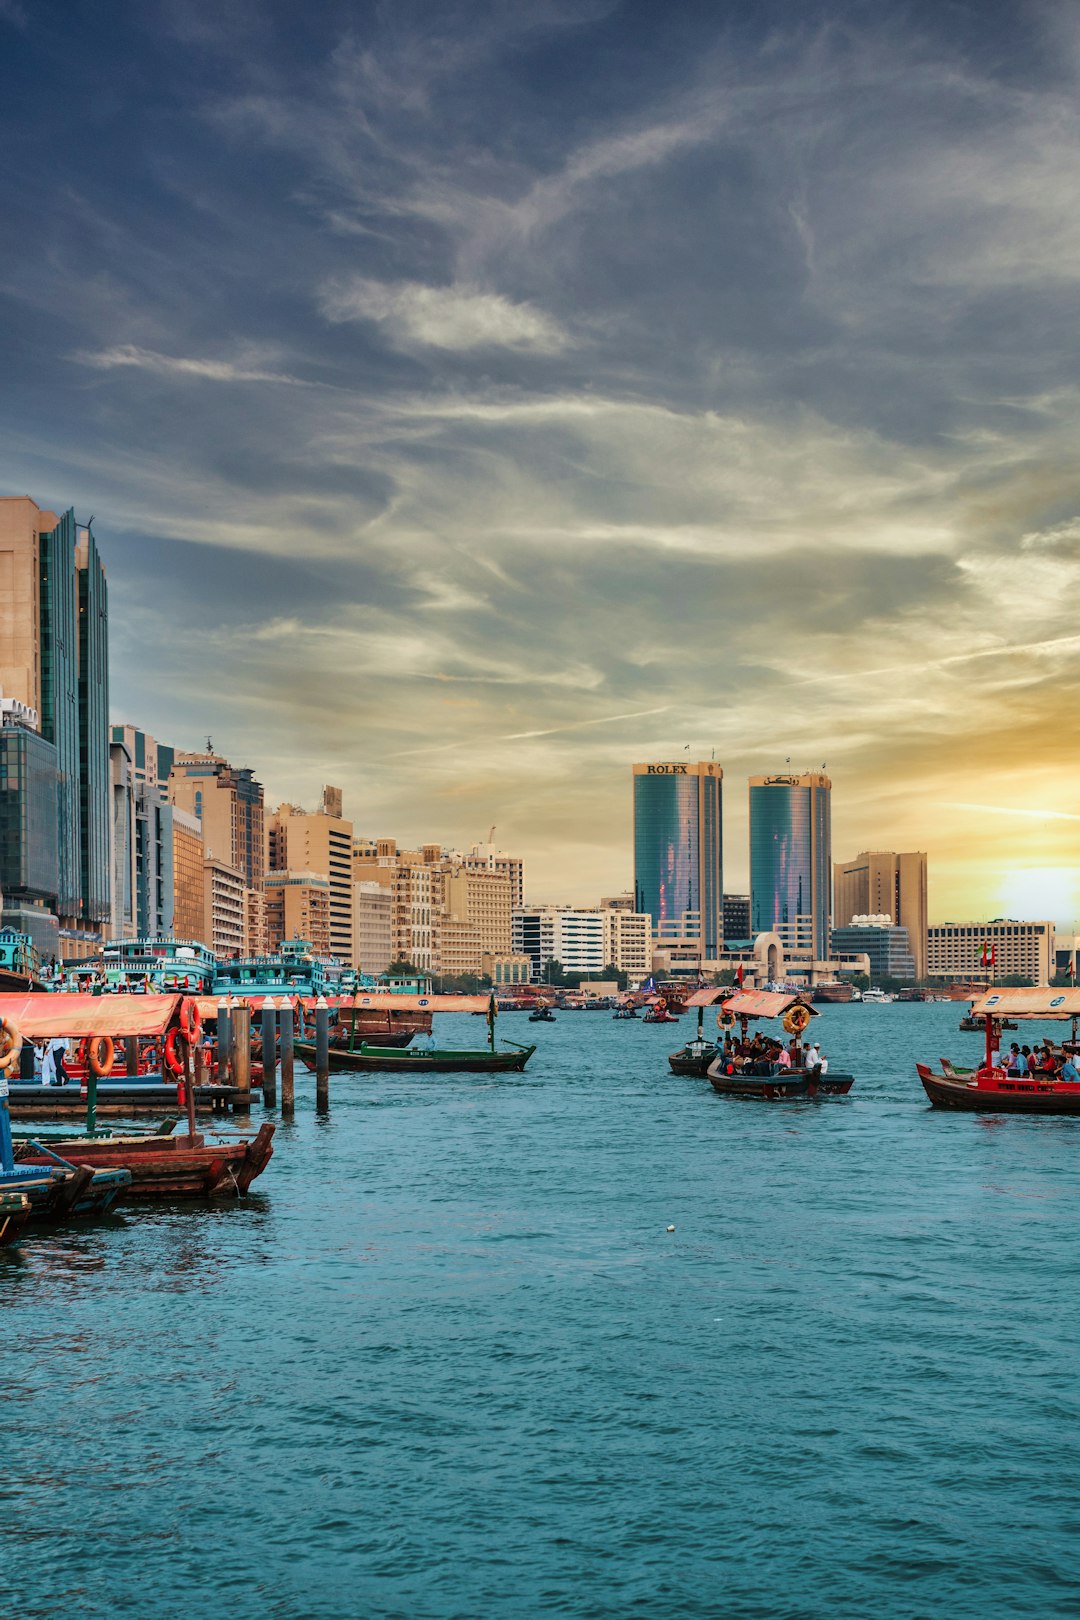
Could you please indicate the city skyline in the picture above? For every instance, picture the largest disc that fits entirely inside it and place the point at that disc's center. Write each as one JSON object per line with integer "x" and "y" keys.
{"x": 723, "y": 402}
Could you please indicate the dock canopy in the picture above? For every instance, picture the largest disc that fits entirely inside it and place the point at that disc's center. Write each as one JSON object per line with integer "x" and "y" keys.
{"x": 708, "y": 998}
{"x": 764, "y": 1004}
{"x": 364, "y": 1003}
{"x": 39, "y": 1016}
{"x": 1018, "y": 1001}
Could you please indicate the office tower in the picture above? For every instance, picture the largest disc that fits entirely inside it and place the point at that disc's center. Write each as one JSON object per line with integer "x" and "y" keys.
{"x": 28, "y": 849}
{"x": 321, "y": 844}
{"x": 791, "y": 860}
{"x": 153, "y": 832}
{"x": 736, "y": 918}
{"x": 189, "y": 903}
{"x": 882, "y": 882}
{"x": 228, "y": 801}
{"x": 54, "y": 659}
{"x": 678, "y": 854}
{"x": 885, "y": 943}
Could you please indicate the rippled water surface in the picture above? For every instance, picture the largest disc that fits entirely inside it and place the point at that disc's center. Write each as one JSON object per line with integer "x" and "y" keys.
{"x": 450, "y": 1362}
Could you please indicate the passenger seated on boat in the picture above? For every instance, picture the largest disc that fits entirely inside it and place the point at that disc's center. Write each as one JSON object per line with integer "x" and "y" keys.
{"x": 1014, "y": 1062}
{"x": 1069, "y": 1072}
{"x": 783, "y": 1058}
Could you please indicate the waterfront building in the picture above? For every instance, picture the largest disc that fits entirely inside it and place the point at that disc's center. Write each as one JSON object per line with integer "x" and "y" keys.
{"x": 1022, "y": 949}
{"x": 223, "y": 908}
{"x": 481, "y": 898}
{"x": 510, "y": 969}
{"x": 298, "y": 907}
{"x": 257, "y": 941}
{"x": 373, "y": 928}
{"x": 122, "y": 866}
{"x": 883, "y": 882}
{"x": 1065, "y": 948}
{"x": 447, "y": 908}
{"x": 299, "y": 841}
{"x": 54, "y": 659}
{"x": 736, "y": 918}
{"x": 486, "y": 858}
{"x": 791, "y": 860}
{"x": 151, "y": 763}
{"x": 569, "y": 935}
{"x": 29, "y": 872}
{"x": 228, "y": 801}
{"x": 678, "y": 854}
{"x": 627, "y": 940}
{"x": 887, "y": 946}
{"x": 189, "y": 907}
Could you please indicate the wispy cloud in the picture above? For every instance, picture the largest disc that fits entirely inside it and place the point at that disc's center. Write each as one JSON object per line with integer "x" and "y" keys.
{"x": 171, "y": 365}
{"x": 458, "y": 318}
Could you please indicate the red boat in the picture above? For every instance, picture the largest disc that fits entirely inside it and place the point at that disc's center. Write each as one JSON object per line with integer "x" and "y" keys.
{"x": 160, "y": 1165}
{"x": 991, "y": 1089}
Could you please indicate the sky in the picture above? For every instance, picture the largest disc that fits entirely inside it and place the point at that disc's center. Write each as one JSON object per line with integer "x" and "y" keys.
{"x": 475, "y": 398}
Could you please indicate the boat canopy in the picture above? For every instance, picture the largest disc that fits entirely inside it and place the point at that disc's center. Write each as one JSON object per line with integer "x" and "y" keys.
{"x": 72, "y": 1016}
{"x": 707, "y": 998}
{"x": 1019, "y": 1001}
{"x": 208, "y": 1005}
{"x": 764, "y": 1004}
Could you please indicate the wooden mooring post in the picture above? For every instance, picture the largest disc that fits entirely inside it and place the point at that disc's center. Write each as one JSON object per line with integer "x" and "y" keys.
{"x": 322, "y": 1053}
{"x": 224, "y": 1039}
{"x": 285, "y": 1027}
{"x": 240, "y": 1035}
{"x": 269, "y": 1051}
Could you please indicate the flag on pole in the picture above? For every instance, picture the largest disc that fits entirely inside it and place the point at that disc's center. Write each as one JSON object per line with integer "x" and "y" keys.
{"x": 492, "y": 1013}
{"x": 739, "y": 975}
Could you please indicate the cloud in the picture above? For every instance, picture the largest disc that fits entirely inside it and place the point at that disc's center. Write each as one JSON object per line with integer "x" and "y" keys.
{"x": 166, "y": 365}
{"x": 458, "y": 318}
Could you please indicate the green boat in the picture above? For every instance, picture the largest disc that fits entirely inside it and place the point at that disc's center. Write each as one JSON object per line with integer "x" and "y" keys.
{"x": 435, "y": 1060}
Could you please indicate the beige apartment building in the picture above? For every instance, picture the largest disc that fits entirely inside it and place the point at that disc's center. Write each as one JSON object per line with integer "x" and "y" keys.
{"x": 223, "y": 909}
{"x": 884, "y": 883}
{"x": 955, "y": 950}
{"x": 228, "y": 802}
{"x": 22, "y": 523}
{"x": 447, "y": 909}
{"x": 373, "y": 927}
{"x": 189, "y": 898}
{"x": 298, "y": 907}
{"x": 627, "y": 941}
{"x": 257, "y": 941}
{"x": 298, "y": 841}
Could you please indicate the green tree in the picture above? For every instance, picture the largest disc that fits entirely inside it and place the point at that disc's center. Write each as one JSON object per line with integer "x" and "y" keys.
{"x": 554, "y": 972}
{"x": 612, "y": 972}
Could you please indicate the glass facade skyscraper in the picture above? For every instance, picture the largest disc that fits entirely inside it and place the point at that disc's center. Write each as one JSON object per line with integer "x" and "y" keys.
{"x": 28, "y": 851}
{"x": 678, "y": 852}
{"x": 791, "y": 860}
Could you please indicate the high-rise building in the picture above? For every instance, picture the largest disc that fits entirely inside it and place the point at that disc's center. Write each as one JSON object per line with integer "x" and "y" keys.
{"x": 736, "y": 918}
{"x": 678, "y": 853}
{"x": 791, "y": 860}
{"x": 880, "y": 939}
{"x": 28, "y": 851}
{"x": 223, "y": 909}
{"x": 54, "y": 658}
{"x": 189, "y": 905}
{"x": 627, "y": 940}
{"x": 153, "y": 832}
{"x": 448, "y": 909}
{"x": 885, "y": 883}
{"x": 373, "y": 927}
{"x": 298, "y": 907}
{"x": 297, "y": 841}
{"x": 228, "y": 801}
{"x": 570, "y": 935}
{"x": 122, "y": 923}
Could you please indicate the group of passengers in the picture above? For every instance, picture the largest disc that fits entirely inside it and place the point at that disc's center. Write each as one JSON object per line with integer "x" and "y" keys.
{"x": 1045, "y": 1060}
{"x": 764, "y": 1054}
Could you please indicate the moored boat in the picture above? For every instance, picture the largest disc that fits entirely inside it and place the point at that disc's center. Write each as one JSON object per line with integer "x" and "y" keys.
{"x": 167, "y": 1166}
{"x": 412, "y": 1060}
{"x": 14, "y": 1217}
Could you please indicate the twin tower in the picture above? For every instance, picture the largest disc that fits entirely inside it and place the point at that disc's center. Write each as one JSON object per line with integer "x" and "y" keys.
{"x": 679, "y": 859}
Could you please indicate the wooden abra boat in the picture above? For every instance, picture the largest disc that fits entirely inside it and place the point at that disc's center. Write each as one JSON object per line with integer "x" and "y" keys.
{"x": 990, "y": 1089}
{"x": 438, "y": 1060}
{"x": 14, "y": 1217}
{"x": 168, "y": 1166}
{"x": 776, "y": 1082}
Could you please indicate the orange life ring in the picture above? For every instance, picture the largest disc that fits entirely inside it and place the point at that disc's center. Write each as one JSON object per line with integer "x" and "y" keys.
{"x": 100, "y": 1052}
{"x": 173, "y": 1060}
{"x": 10, "y": 1046}
{"x": 190, "y": 1020}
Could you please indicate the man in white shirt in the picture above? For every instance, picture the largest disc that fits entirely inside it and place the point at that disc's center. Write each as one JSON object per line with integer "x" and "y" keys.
{"x": 812, "y": 1058}
{"x": 53, "y": 1072}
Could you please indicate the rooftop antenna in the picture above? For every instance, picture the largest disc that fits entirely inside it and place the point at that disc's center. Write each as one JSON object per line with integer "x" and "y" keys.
{"x": 209, "y": 745}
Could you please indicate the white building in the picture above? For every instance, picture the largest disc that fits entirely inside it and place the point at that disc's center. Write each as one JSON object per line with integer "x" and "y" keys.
{"x": 1026, "y": 949}
{"x": 628, "y": 941}
{"x": 571, "y": 936}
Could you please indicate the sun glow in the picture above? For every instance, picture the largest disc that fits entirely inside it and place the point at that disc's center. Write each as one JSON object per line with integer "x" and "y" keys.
{"x": 1042, "y": 891}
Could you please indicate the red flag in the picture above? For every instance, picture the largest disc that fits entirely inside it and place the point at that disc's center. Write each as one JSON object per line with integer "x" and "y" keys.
{"x": 739, "y": 975}
{"x": 1071, "y": 969}
{"x": 982, "y": 958}
{"x": 993, "y": 956}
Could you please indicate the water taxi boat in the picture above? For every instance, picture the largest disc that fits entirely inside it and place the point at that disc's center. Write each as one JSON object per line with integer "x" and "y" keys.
{"x": 991, "y": 1089}
{"x": 410, "y": 1060}
{"x": 542, "y": 1015}
{"x": 771, "y": 1081}
{"x": 698, "y": 1054}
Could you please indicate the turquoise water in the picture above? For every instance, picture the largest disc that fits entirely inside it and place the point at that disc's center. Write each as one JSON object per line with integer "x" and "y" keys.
{"x": 450, "y": 1362}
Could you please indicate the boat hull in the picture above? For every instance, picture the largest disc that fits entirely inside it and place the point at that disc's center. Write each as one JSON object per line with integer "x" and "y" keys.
{"x": 14, "y": 1217}
{"x": 1011, "y": 1095}
{"x": 761, "y": 1087}
{"x": 694, "y": 1064}
{"x": 69, "y": 1102}
{"x": 169, "y": 1166}
{"x": 410, "y": 1062}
